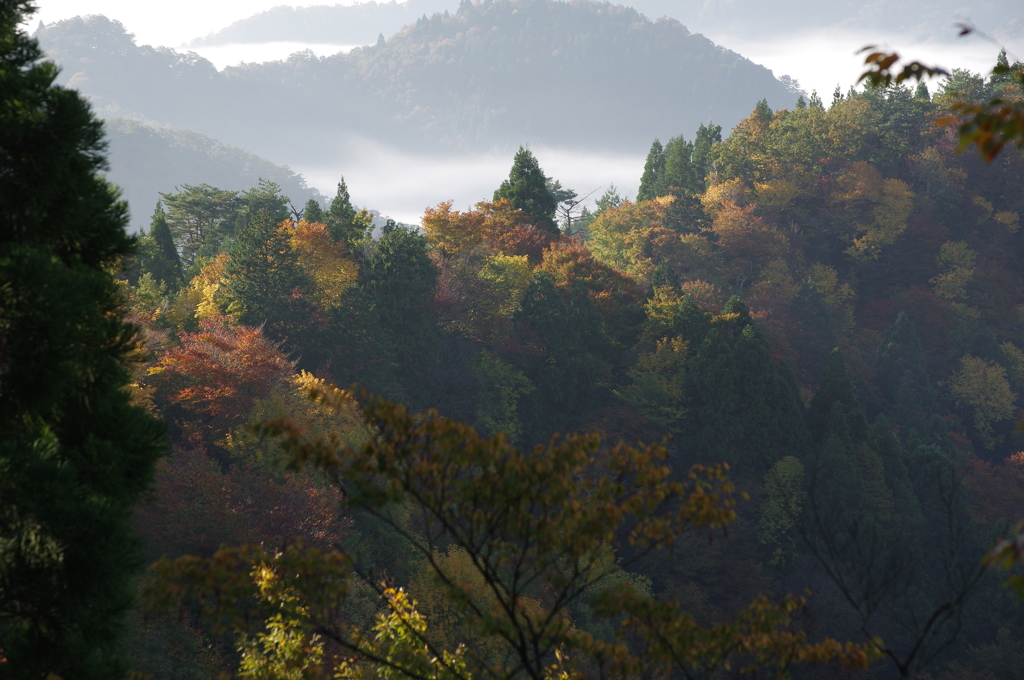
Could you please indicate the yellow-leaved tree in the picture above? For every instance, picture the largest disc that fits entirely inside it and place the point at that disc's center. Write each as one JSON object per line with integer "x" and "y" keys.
{"x": 980, "y": 388}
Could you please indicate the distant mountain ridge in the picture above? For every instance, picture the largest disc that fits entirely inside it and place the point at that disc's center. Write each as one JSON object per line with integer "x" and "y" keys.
{"x": 489, "y": 77}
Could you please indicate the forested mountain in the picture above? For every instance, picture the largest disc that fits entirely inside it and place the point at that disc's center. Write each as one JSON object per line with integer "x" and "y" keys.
{"x": 418, "y": 453}
{"x": 493, "y": 75}
{"x": 145, "y": 161}
{"x": 827, "y": 299}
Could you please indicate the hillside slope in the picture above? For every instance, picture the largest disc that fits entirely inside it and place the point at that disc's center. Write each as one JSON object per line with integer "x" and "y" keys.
{"x": 145, "y": 161}
{"x": 492, "y": 76}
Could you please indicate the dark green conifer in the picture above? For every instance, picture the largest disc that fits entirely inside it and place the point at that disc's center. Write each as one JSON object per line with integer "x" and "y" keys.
{"x": 75, "y": 455}
{"x": 744, "y": 409}
{"x": 811, "y": 333}
{"x": 164, "y": 263}
{"x": 909, "y": 398}
{"x": 266, "y": 284}
{"x": 652, "y": 182}
{"x": 527, "y": 189}
{"x": 341, "y": 214}
{"x": 400, "y": 280}
{"x": 835, "y": 388}
{"x": 575, "y": 351}
{"x": 707, "y": 136}
{"x": 312, "y": 212}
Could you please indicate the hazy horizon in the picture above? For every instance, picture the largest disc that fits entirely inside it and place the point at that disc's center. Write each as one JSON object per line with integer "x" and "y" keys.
{"x": 400, "y": 184}
{"x": 816, "y": 58}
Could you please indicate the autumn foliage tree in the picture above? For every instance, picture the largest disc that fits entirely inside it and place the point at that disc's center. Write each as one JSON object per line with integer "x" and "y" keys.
{"x": 216, "y": 374}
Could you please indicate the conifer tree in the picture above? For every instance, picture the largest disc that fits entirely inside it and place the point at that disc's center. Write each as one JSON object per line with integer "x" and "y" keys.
{"x": 312, "y": 212}
{"x": 341, "y": 214}
{"x": 574, "y": 349}
{"x": 266, "y": 283}
{"x": 909, "y": 397}
{"x": 164, "y": 263}
{"x": 527, "y": 189}
{"x": 835, "y": 388}
{"x": 707, "y": 136}
{"x": 680, "y": 180}
{"x": 399, "y": 281}
{"x": 811, "y": 333}
{"x": 652, "y": 183}
{"x": 197, "y": 216}
{"x": 744, "y": 409}
{"x": 75, "y": 455}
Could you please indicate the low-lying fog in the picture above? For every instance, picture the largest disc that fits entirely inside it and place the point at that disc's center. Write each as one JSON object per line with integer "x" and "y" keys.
{"x": 401, "y": 185}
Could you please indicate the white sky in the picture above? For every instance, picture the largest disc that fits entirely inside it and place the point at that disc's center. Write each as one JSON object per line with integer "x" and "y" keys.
{"x": 159, "y": 22}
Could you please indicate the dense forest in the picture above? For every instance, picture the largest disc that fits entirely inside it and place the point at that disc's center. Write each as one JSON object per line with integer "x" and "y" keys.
{"x": 759, "y": 422}
{"x": 489, "y": 76}
{"x": 828, "y": 299}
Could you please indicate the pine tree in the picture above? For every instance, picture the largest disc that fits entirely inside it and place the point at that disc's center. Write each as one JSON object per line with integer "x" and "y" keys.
{"x": 75, "y": 455}
{"x": 652, "y": 183}
{"x": 527, "y": 189}
{"x": 200, "y": 217}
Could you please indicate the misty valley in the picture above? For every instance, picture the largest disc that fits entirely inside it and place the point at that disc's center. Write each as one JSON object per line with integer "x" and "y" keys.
{"x": 632, "y": 360}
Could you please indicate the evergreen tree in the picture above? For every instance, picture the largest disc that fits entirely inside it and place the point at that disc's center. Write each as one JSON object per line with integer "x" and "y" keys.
{"x": 163, "y": 261}
{"x": 341, "y": 215}
{"x": 264, "y": 199}
{"x": 200, "y": 218}
{"x": 707, "y": 136}
{"x": 75, "y": 455}
{"x": 743, "y": 408}
{"x": 680, "y": 176}
{"x": 811, "y": 332}
{"x": 681, "y": 181}
{"x": 883, "y": 441}
{"x": 266, "y": 284}
{"x": 313, "y": 212}
{"x": 835, "y": 388}
{"x": 527, "y": 189}
{"x": 573, "y": 355}
{"x": 909, "y": 398}
{"x": 400, "y": 281}
{"x": 665, "y": 275}
{"x": 652, "y": 184}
